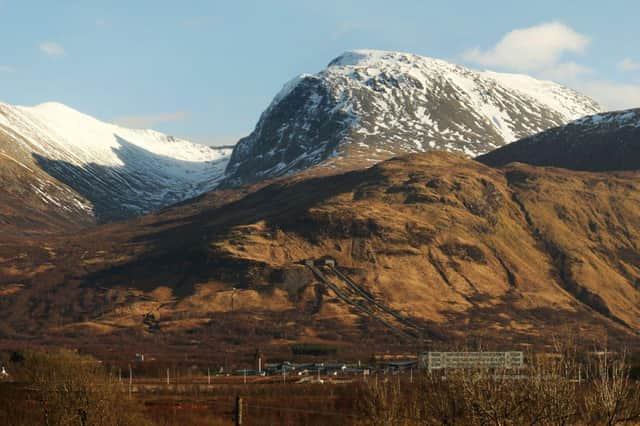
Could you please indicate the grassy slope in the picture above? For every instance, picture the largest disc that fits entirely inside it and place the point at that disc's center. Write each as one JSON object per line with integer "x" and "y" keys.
{"x": 518, "y": 254}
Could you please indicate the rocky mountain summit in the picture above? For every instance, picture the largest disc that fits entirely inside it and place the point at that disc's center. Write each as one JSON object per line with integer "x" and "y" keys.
{"x": 368, "y": 106}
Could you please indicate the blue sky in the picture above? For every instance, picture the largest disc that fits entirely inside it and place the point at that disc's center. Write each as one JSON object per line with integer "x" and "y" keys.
{"x": 206, "y": 69}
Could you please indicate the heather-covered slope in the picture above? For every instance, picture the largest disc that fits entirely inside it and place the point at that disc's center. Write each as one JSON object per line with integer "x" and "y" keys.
{"x": 457, "y": 249}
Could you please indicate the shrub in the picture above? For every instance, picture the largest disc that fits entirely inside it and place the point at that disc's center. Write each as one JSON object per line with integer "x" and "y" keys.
{"x": 548, "y": 392}
{"x": 63, "y": 388}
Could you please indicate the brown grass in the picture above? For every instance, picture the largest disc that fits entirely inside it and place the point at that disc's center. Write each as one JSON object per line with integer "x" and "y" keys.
{"x": 472, "y": 254}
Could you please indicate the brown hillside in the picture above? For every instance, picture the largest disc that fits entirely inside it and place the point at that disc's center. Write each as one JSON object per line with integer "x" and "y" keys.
{"x": 32, "y": 202}
{"x": 431, "y": 246}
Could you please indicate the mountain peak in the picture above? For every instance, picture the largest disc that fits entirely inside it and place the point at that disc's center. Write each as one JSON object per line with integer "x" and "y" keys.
{"x": 364, "y": 57}
{"x": 55, "y": 106}
{"x": 370, "y": 105}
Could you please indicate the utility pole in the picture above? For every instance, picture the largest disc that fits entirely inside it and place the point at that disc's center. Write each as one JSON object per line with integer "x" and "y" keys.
{"x": 233, "y": 294}
{"x": 130, "y": 380}
{"x": 238, "y": 410}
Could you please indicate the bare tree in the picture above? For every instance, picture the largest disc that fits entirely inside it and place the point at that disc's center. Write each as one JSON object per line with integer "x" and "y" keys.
{"x": 613, "y": 397}
{"x": 550, "y": 391}
{"x": 70, "y": 389}
{"x": 552, "y": 384}
{"x": 495, "y": 397}
{"x": 441, "y": 399}
{"x": 383, "y": 403}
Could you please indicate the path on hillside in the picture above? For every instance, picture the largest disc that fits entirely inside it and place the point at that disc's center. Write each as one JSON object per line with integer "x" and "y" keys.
{"x": 362, "y": 300}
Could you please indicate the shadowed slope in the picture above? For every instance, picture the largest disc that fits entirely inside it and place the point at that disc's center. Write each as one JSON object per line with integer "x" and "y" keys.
{"x": 602, "y": 142}
{"x": 144, "y": 182}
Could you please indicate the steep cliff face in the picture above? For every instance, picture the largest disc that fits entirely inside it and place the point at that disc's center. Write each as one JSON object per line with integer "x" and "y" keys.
{"x": 373, "y": 105}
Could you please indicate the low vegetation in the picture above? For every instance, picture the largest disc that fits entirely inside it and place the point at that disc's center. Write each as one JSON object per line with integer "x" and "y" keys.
{"x": 563, "y": 388}
{"x": 550, "y": 391}
{"x": 63, "y": 388}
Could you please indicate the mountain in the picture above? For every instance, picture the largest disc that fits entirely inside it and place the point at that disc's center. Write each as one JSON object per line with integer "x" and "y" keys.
{"x": 608, "y": 141}
{"x": 368, "y": 105}
{"x": 58, "y": 159}
{"x": 434, "y": 246}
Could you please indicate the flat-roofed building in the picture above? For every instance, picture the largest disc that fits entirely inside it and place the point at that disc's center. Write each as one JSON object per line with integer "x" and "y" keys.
{"x": 471, "y": 360}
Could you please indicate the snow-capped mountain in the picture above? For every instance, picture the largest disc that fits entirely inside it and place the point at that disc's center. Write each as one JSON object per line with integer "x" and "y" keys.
{"x": 372, "y": 105}
{"x": 600, "y": 142}
{"x": 79, "y": 163}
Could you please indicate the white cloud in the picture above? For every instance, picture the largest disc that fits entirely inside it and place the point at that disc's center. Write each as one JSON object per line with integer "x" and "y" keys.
{"x": 628, "y": 65}
{"x": 532, "y": 48}
{"x": 51, "y": 49}
{"x": 6, "y": 68}
{"x": 611, "y": 95}
{"x": 150, "y": 120}
{"x": 541, "y": 51}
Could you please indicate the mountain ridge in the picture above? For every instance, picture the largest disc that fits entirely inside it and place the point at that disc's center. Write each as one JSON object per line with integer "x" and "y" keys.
{"x": 607, "y": 141}
{"x": 112, "y": 172}
{"x": 372, "y": 105}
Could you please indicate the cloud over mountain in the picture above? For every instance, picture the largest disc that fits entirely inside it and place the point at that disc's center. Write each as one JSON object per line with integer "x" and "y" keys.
{"x": 548, "y": 51}
{"x": 532, "y": 49}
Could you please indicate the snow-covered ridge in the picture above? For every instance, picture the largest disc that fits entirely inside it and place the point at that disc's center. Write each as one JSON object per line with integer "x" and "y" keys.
{"x": 615, "y": 118}
{"x": 372, "y": 105}
{"x": 474, "y": 84}
{"x": 135, "y": 170}
{"x": 288, "y": 88}
{"x": 375, "y": 62}
{"x": 92, "y": 141}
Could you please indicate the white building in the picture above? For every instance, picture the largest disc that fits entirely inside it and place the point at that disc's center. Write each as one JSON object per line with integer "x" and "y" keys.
{"x": 472, "y": 360}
